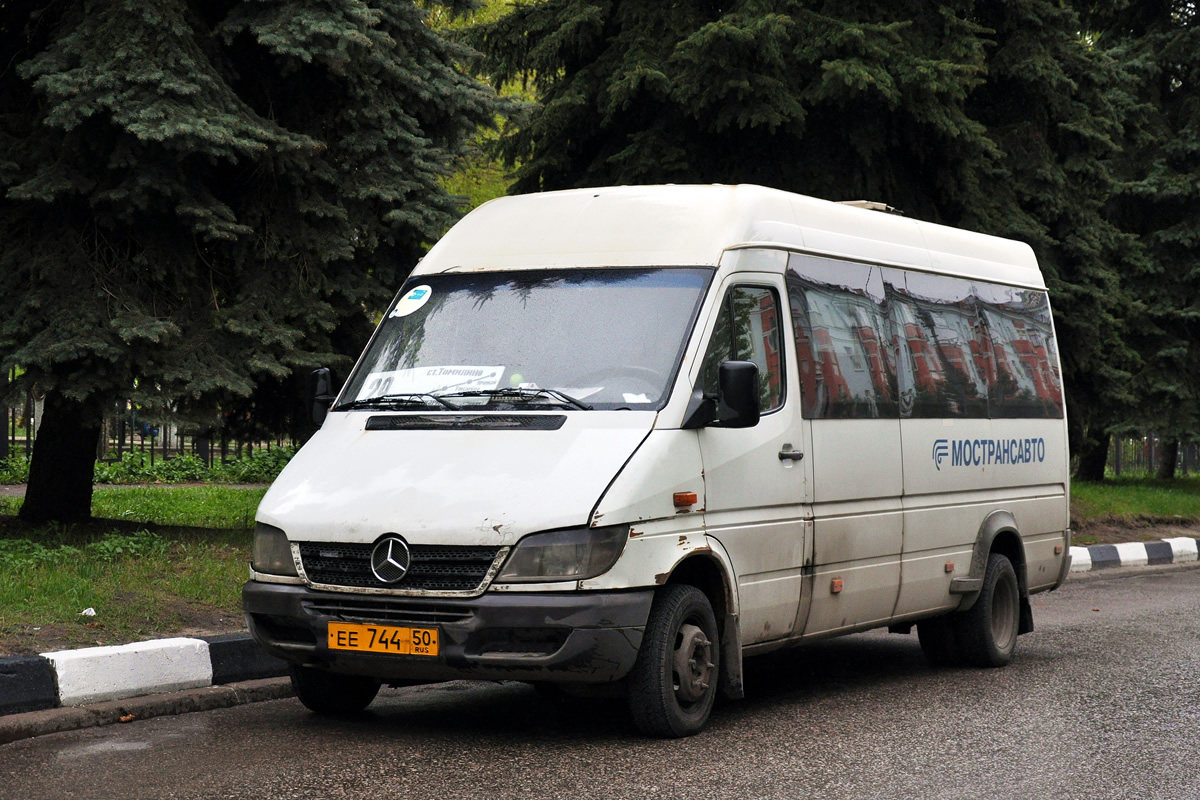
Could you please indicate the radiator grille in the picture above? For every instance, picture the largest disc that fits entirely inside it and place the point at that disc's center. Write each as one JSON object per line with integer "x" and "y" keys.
{"x": 441, "y": 568}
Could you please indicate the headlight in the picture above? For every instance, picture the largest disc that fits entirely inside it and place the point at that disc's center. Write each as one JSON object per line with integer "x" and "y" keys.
{"x": 272, "y": 553}
{"x": 568, "y": 555}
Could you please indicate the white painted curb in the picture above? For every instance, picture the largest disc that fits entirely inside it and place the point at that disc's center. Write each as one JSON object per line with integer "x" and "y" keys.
{"x": 1132, "y": 554}
{"x": 131, "y": 670}
{"x": 1183, "y": 548}
{"x": 1081, "y": 559}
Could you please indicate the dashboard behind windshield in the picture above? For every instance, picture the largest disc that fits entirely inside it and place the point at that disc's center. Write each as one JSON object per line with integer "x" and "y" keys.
{"x": 607, "y": 338}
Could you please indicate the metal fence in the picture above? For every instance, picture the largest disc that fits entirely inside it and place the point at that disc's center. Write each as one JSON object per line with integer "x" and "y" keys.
{"x": 1141, "y": 455}
{"x": 125, "y": 431}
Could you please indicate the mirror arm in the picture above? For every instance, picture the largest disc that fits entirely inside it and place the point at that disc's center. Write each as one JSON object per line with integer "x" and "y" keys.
{"x": 319, "y": 394}
{"x": 701, "y": 410}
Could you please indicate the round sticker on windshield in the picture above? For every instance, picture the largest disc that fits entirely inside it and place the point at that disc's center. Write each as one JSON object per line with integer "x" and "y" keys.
{"x": 412, "y": 301}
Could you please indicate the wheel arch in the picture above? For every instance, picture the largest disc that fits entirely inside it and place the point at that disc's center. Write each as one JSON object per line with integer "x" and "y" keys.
{"x": 708, "y": 572}
{"x": 999, "y": 534}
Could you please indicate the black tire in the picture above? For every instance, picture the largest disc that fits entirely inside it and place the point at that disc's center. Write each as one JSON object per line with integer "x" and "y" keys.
{"x": 331, "y": 694}
{"x": 987, "y": 632}
{"x": 939, "y": 642}
{"x": 674, "y": 680}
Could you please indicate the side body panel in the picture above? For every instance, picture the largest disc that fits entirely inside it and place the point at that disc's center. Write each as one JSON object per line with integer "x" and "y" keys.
{"x": 858, "y": 523}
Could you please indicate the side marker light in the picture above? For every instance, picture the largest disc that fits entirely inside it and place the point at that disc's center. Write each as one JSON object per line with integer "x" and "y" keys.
{"x": 684, "y": 499}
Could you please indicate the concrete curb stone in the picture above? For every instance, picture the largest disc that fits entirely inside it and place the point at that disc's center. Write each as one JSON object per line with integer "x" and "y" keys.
{"x": 26, "y": 684}
{"x": 1134, "y": 554}
{"x": 94, "y": 674}
{"x": 235, "y": 658}
{"x": 79, "y": 684}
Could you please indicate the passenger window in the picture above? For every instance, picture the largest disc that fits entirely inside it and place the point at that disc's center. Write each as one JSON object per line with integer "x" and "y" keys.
{"x": 1027, "y": 382}
{"x": 880, "y": 342}
{"x": 843, "y": 341}
{"x": 748, "y": 330}
{"x": 941, "y": 341}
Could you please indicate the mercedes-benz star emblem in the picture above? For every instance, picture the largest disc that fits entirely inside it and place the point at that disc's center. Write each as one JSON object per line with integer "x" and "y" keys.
{"x": 390, "y": 559}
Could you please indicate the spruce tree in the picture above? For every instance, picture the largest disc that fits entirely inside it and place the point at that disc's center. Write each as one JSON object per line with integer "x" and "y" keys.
{"x": 1055, "y": 104}
{"x": 843, "y": 101}
{"x": 195, "y": 197}
{"x": 1158, "y": 200}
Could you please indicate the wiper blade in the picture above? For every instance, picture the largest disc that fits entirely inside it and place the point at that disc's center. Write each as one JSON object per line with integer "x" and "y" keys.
{"x": 522, "y": 394}
{"x": 393, "y": 400}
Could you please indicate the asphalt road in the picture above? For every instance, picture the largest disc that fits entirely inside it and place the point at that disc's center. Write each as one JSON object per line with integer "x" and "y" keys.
{"x": 1102, "y": 701}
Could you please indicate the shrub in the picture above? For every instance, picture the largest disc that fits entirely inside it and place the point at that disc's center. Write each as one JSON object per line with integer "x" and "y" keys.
{"x": 14, "y": 469}
{"x": 261, "y": 466}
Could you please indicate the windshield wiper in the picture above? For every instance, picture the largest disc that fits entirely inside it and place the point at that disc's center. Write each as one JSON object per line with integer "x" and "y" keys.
{"x": 385, "y": 401}
{"x": 522, "y": 394}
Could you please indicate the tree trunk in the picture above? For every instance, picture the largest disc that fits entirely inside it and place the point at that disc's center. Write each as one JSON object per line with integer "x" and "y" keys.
{"x": 4, "y": 429}
{"x": 64, "y": 460}
{"x": 1093, "y": 457}
{"x": 1167, "y": 458}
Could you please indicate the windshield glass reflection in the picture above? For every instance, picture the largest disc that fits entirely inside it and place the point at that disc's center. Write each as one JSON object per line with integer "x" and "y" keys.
{"x": 574, "y": 339}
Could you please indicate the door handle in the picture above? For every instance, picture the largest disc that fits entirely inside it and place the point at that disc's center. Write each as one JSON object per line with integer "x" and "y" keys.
{"x": 788, "y": 454}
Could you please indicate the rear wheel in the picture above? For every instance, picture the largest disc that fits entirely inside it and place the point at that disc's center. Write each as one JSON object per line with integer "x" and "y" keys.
{"x": 987, "y": 632}
{"x": 327, "y": 693}
{"x": 674, "y": 680}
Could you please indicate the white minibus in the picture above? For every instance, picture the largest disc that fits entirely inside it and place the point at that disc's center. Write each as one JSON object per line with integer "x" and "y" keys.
{"x": 619, "y": 439}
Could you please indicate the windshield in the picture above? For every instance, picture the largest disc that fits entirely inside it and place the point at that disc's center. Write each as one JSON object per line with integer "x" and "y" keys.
{"x": 574, "y": 339}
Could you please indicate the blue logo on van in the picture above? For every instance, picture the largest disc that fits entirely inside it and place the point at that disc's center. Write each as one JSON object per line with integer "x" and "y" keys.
{"x": 941, "y": 449}
{"x": 988, "y": 452}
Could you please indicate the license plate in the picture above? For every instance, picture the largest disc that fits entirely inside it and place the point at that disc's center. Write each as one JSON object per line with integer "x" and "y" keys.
{"x": 391, "y": 639}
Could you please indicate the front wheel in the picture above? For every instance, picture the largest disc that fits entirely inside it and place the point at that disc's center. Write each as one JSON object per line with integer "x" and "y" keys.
{"x": 674, "y": 680}
{"x": 334, "y": 695}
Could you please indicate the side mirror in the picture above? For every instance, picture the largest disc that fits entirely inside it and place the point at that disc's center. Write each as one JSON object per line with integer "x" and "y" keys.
{"x": 318, "y": 394}
{"x": 738, "y": 406}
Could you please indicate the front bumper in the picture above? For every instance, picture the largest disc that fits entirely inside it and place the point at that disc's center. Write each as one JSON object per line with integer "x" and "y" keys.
{"x": 578, "y": 637}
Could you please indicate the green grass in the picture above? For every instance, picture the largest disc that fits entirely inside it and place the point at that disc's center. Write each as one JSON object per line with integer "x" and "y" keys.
{"x": 194, "y": 506}
{"x": 1140, "y": 499}
{"x": 205, "y": 506}
{"x": 181, "y": 575}
{"x": 141, "y": 586}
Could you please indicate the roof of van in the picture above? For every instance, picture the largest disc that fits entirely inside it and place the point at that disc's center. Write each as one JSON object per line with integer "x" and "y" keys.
{"x": 624, "y": 226}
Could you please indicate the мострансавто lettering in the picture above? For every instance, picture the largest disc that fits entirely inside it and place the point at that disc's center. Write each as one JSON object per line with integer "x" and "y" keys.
{"x": 988, "y": 452}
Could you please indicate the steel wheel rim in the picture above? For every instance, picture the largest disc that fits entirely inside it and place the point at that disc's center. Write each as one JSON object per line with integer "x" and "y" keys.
{"x": 1004, "y": 612}
{"x": 691, "y": 664}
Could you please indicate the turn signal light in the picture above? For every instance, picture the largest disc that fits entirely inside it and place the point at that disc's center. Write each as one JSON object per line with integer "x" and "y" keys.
{"x": 684, "y": 499}
{"x": 835, "y": 587}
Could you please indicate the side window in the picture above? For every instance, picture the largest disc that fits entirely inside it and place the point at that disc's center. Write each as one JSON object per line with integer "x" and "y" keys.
{"x": 843, "y": 339}
{"x": 943, "y": 344}
{"x": 748, "y": 330}
{"x": 1026, "y": 382}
